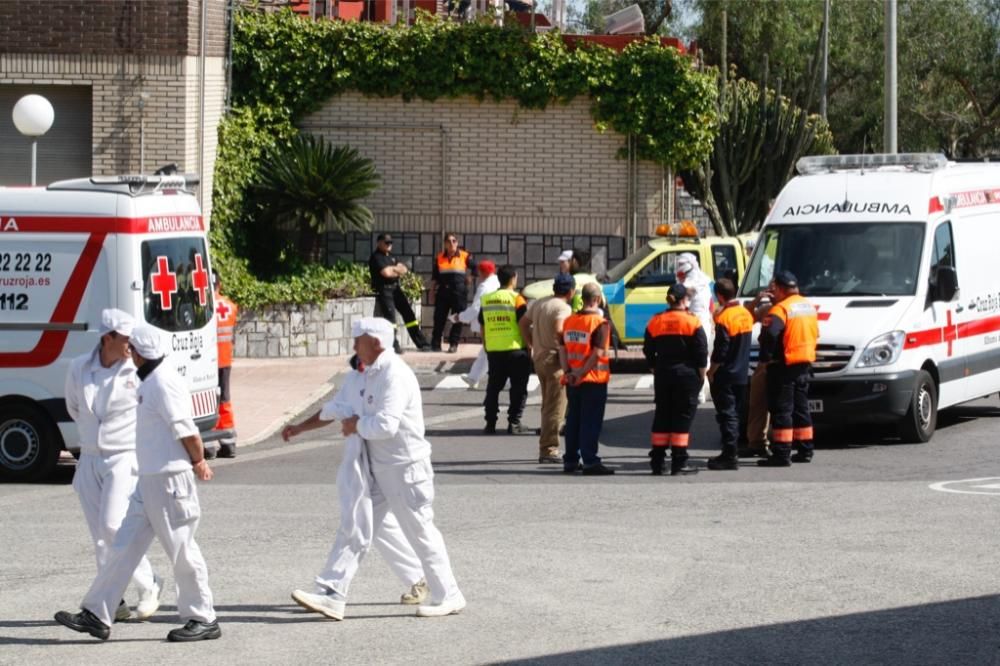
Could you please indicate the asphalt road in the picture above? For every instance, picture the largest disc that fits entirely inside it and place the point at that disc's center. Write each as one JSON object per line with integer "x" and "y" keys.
{"x": 854, "y": 558}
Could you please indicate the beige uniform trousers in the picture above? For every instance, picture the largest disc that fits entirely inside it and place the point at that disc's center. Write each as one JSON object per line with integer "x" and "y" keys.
{"x": 553, "y": 403}
{"x": 757, "y": 415}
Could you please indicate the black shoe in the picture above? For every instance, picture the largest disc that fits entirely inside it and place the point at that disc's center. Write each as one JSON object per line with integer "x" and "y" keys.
{"x": 774, "y": 461}
{"x": 720, "y": 463}
{"x": 657, "y": 469}
{"x": 572, "y": 470}
{"x": 518, "y": 429}
{"x": 452, "y": 349}
{"x": 752, "y": 452}
{"x": 211, "y": 453}
{"x": 598, "y": 470}
{"x": 227, "y": 451}
{"x": 195, "y": 631}
{"x": 802, "y": 457}
{"x": 434, "y": 348}
{"x": 490, "y": 429}
{"x": 85, "y": 622}
{"x": 684, "y": 470}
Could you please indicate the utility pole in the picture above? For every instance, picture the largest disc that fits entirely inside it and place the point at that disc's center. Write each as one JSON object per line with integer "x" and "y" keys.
{"x": 825, "y": 69}
{"x": 889, "y": 84}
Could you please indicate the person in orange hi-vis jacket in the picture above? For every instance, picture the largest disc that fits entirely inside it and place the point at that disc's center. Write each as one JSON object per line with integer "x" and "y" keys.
{"x": 788, "y": 341}
{"x": 225, "y": 312}
{"x": 676, "y": 349}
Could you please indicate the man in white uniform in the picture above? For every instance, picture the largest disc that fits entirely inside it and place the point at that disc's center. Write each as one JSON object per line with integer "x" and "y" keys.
{"x": 488, "y": 283}
{"x": 357, "y": 531}
{"x": 101, "y": 397}
{"x": 165, "y": 503}
{"x": 392, "y": 424}
{"x": 699, "y": 290}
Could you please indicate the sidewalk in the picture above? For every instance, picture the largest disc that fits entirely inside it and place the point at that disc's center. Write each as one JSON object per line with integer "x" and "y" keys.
{"x": 267, "y": 393}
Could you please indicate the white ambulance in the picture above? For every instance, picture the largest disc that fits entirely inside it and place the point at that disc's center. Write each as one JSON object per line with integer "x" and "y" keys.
{"x": 899, "y": 255}
{"x": 68, "y": 251}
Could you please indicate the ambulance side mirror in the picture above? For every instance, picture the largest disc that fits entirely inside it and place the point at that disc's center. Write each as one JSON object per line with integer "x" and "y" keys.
{"x": 943, "y": 284}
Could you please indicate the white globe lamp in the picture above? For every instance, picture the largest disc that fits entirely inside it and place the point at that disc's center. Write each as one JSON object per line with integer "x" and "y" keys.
{"x": 33, "y": 117}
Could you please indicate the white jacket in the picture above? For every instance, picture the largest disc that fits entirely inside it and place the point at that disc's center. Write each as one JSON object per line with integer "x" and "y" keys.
{"x": 165, "y": 415}
{"x": 470, "y": 315}
{"x": 392, "y": 418}
{"x": 700, "y": 297}
{"x": 104, "y": 417}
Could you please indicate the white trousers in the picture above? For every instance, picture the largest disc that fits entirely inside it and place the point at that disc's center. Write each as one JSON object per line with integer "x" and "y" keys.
{"x": 165, "y": 506}
{"x": 358, "y": 531}
{"x": 479, "y": 367}
{"x": 104, "y": 485}
{"x": 408, "y": 491}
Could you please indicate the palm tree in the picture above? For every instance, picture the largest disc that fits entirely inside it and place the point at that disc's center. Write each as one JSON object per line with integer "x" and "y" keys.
{"x": 310, "y": 186}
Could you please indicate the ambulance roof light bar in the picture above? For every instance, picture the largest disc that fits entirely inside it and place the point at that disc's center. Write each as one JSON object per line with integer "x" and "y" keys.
{"x": 144, "y": 184}
{"x": 923, "y": 162}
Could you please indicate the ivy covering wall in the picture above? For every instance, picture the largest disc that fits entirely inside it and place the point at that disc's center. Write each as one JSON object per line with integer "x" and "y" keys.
{"x": 285, "y": 67}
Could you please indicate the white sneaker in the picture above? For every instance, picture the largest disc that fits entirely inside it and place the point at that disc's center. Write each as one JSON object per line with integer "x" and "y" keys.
{"x": 416, "y": 595}
{"x": 324, "y": 604}
{"x": 149, "y": 601}
{"x": 123, "y": 612}
{"x": 451, "y": 605}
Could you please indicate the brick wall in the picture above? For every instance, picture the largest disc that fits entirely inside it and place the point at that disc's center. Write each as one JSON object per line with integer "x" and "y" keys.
{"x": 109, "y": 27}
{"x": 491, "y": 167}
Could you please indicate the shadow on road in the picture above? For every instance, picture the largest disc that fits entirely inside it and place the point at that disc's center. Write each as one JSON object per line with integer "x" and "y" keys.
{"x": 952, "y": 632}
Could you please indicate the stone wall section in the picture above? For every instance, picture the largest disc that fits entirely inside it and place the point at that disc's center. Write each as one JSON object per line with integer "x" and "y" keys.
{"x": 304, "y": 330}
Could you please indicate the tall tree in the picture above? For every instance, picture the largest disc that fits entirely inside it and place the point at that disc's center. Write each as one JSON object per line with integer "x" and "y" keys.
{"x": 949, "y": 65}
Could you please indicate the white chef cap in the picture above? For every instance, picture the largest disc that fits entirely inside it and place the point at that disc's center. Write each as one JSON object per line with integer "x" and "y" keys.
{"x": 566, "y": 255}
{"x": 113, "y": 319}
{"x": 148, "y": 342}
{"x": 376, "y": 327}
{"x": 687, "y": 262}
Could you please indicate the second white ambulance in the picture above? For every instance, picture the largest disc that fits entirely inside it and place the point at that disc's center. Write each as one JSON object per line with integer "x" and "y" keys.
{"x": 899, "y": 255}
{"x": 70, "y": 250}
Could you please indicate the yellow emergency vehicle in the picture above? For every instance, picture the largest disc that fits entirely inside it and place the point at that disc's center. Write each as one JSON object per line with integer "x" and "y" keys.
{"x": 636, "y": 288}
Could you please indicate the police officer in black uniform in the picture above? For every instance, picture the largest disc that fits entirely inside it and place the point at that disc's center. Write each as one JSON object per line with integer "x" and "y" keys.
{"x": 450, "y": 278}
{"x": 386, "y": 270}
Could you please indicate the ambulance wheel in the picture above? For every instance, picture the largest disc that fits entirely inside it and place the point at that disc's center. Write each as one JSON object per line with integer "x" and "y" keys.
{"x": 918, "y": 425}
{"x": 29, "y": 443}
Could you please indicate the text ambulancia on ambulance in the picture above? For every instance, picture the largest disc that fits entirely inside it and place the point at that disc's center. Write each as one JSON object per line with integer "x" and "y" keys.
{"x": 898, "y": 254}
{"x": 72, "y": 249}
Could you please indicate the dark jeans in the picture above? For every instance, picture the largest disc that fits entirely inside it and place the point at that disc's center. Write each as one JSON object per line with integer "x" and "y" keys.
{"x": 447, "y": 302}
{"x": 513, "y": 365}
{"x": 788, "y": 402}
{"x": 584, "y": 420}
{"x": 729, "y": 400}
{"x": 387, "y": 303}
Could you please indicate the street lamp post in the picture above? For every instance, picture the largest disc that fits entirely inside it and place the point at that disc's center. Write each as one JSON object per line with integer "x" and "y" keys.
{"x": 33, "y": 116}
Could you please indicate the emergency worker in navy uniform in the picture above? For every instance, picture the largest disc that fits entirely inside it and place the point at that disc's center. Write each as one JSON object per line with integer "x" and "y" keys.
{"x": 676, "y": 349}
{"x": 386, "y": 270}
{"x": 789, "y": 334}
{"x": 450, "y": 277}
{"x": 727, "y": 373}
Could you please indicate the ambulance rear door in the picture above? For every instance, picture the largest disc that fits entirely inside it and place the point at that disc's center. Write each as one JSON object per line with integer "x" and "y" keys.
{"x": 172, "y": 290}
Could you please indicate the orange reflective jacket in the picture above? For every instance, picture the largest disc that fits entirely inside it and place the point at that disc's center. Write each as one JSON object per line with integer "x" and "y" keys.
{"x": 225, "y": 312}
{"x": 455, "y": 265}
{"x": 801, "y": 329}
{"x": 577, "y": 333}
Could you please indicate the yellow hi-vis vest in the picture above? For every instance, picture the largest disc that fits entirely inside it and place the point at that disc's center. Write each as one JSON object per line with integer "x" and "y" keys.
{"x": 500, "y": 331}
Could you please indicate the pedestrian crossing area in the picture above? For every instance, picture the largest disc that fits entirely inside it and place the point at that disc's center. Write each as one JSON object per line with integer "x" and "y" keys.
{"x": 457, "y": 382}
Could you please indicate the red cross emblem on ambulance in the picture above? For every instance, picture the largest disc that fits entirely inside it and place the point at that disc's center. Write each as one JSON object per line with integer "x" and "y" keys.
{"x": 199, "y": 279}
{"x": 164, "y": 283}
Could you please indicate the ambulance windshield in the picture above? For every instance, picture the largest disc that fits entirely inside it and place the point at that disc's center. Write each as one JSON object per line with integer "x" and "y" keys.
{"x": 855, "y": 259}
{"x": 177, "y": 286}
